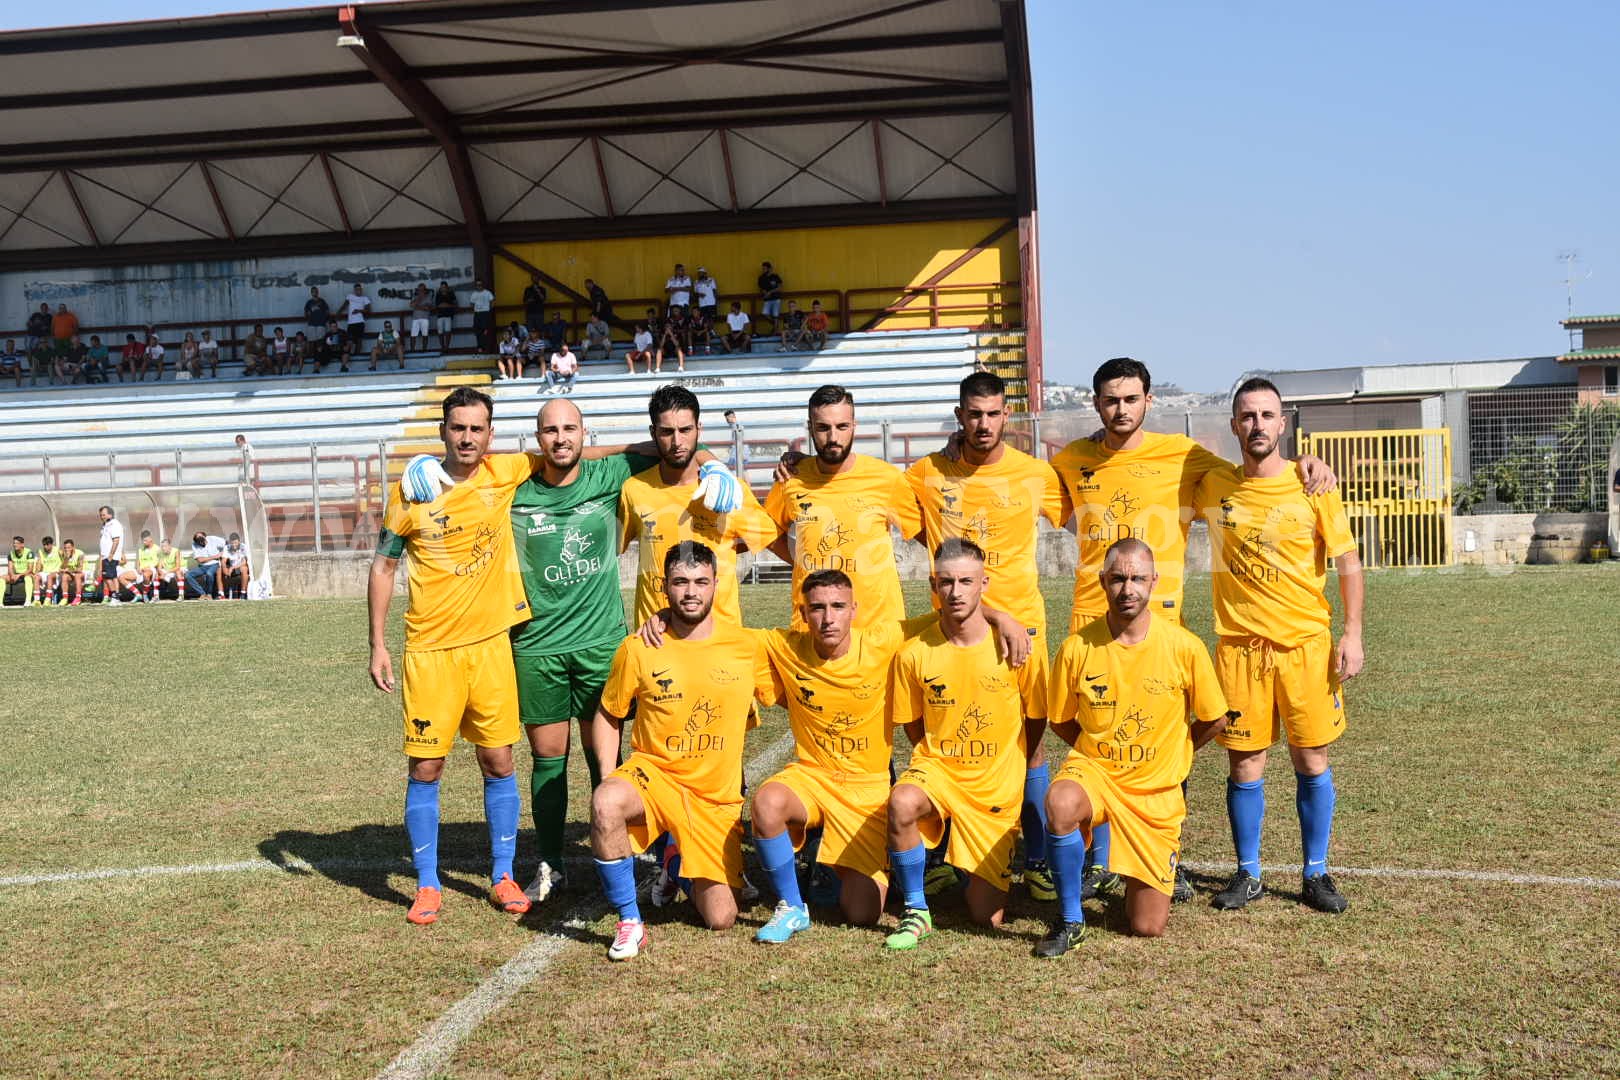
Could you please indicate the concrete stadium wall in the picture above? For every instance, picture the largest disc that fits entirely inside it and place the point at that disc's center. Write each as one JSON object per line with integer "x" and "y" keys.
{"x": 1510, "y": 539}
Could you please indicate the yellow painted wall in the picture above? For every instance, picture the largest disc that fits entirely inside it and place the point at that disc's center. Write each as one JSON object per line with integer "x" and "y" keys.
{"x": 813, "y": 263}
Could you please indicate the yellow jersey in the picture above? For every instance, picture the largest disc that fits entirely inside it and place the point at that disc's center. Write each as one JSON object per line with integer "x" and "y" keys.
{"x": 147, "y": 558}
{"x": 1145, "y": 493}
{"x": 659, "y": 516}
{"x": 998, "y": 507}
{"x": 972, "y": 706}
{"x": 174, "y": 562}
{"x": 74, "y": 563}
{"x": 462, "y": 565}
{"x": 842, "y": 522}
{"x": 1132, "y": 701}
{"x": 50, "y": 562}
{"x": 1270, "y": 543}
{"x": 839, "y": 708}
{"x": 692, "y": 703}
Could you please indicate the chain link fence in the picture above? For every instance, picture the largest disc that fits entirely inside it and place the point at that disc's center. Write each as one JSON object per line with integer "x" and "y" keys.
{"x": 1538, "y": 450}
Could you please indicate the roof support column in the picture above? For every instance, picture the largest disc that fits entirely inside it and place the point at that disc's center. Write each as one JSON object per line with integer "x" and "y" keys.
{"x": 1014, "y": 33}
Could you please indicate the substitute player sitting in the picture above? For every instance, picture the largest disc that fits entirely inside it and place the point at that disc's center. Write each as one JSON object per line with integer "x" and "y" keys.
{"x": 72, "y": 574}
{"x": 967, "y": 712}
{"x": 465, "y": 593}
{"x": 693, "y": 699}
{"x": 1276, "y": 659}
{"x": 1121, "y": 690}
{"x": 48, "y": 574}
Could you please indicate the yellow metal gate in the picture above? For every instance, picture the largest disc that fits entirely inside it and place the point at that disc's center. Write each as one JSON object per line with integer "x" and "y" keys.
{"x": 1397, "y": 491}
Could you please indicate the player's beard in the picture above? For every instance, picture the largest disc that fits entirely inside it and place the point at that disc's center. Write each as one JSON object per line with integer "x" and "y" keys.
{"x": 677, "y": 457}
{"x": 1259, "y": 447}
{"x": 832, "y": 453}
{"x": 683, "y": 622}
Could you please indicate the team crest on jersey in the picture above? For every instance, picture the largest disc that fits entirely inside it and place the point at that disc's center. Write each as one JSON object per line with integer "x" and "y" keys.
{"x": 481, "y": 555}
{"x": 866, "y": 691}
{"x": 936, "y": 691}
{"x": 665, "y": 682}
{"x": 1154, "y": 685}
{"x": 1121, "y": 506}
{"x": 1099, "y": 691}
{"x": 974, "y": 720}
{"x": 1141, "y": 470}
{"x": 834, "y": 538}
{"x": 978, "y": 529}
{"x": 994, "y": 683}
{"x": 723, "y": 676}
{"x": 576, "y": 543}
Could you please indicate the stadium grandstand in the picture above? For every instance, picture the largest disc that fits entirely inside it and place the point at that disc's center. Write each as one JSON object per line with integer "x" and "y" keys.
{"x": 218, "y": 172}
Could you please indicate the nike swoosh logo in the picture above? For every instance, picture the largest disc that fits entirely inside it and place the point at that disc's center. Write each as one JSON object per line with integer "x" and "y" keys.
{"x": 659, "y": 674}
{"x": 930, "y": 678}
{"x": 1094, "y": 678}
{"x": 423, "y": 848}
{"x": 504, "y": 839}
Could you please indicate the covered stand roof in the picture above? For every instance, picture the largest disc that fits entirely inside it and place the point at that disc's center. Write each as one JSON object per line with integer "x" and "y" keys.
{"x": 456, "y": 122}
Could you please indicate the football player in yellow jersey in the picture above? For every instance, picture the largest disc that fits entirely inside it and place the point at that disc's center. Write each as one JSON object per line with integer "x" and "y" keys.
{"x": 969, "y": 715}
{"x": 659, "y": 508}
{"x": 1120, "y": 694}
{"x": 20, "y": 569}
{"x": 1132, "y": 482}
{"x": 145, "y": 584}
{"x": 1276, "y": 658}
{"x": 171, "y": 568}
{"x": 48, "y": 574}
{"x": 465, "y": 593}
{"x": 693, "y": 698}
{"x": 72, "y": 574}
{"x": 995, "y": 496}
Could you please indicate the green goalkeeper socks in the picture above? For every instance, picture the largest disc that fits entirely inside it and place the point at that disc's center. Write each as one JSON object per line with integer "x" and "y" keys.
{"x": 548, "y": 795}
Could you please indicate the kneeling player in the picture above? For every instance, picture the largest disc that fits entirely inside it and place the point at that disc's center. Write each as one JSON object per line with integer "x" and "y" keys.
{"x": 1120, "y": 694}
{"x": 693, "y": 697}
{"x": 966, "y": 711}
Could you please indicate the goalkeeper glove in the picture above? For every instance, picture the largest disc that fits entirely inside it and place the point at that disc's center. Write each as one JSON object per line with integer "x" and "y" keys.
{"x": 718, "y": 489}
{"x": 424, "y": 478}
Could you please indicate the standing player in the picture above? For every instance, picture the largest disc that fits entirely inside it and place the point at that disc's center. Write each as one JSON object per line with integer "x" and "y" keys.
{"x": 1121, "y": 691}
{"x": 1276, "y": 659}
{"x": 48, "y": 571}
{"x": 967, "y": 712}
{"x": 112, "y": 553}
{"x": 72, "y": 574}
{"x": 693, "y": 699}
{"x": 465, "y": 592}
{"x": 995, "y": 496}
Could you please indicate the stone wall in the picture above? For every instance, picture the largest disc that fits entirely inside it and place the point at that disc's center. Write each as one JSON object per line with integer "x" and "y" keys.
{"x": 1509, "y": 539}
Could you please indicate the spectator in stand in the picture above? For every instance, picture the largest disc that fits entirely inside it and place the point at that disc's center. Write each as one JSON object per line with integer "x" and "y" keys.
{"x": 316, "y": 313}
{"x": 334, "y": 348}
{"x": 793, "y": 331}
{"x": 355, "y": 304}
{"x": 641, "y": 349}
{"x": 208, "y": 353}
{"x": 70, "y": 361}
{"x": 598, "y": 338}
{"x": 72, "y": 574}
{"x": 770, "y": 293}
{"x": 739, "y": 338}
{"x": 202, "y": 579}
{"x": 97, "y": 361}
{"x": 42, "y": 360}
{"x": 421, "y": 314}
{"x": 509, "y": 360}
{"x": 112, "y": 552}
{"x": 388, "y": 344}
{"x": 297, "y": 354}
{"x": 246, "y": 450}
{"x": 678, "y": 289}
{"x": 730, "y": 417}
{"x": 444, "y": 305}
{"x": 671, "y": 338}
{"x": 561, "y": 371}
{"x": 555, "y": 332}
{"x": 188, "y": 366}
{"x": 533, "y": 350}
{"x": 234, "y": 573}
{"x": 815, "y": 326}
{"x": 256, "y": 351}
{"x": 154, "y": 356}
{"x": 132, "y": 359}
{"x": 64, "y": 324}
{"x": 601, "y": 306}
{"x": 39, "y": 327}
{"x": 280, "y": 351}
{"x": 708, "y": 294}
{"x": 11, "y": 362}
{"x": 699, "y": 329}
{"x": 534, "y": 302}
{"x": 483, "y": 306}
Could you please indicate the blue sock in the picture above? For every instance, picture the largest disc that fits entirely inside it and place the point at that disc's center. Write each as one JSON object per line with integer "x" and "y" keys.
{"x": 1068, "y": 854}
{"x": 1101, "y": 840}
{"x": 1032, "y": 817}
{"x": 422, "y": 826}
{"x": 1246, "y": 808}
{"x": 776, "y": 855}
{"x": 910, "y": 867}
{"x": 619, "y": 885}
{"x": 501, "y": 811}
{"x": 1315, "y": 797}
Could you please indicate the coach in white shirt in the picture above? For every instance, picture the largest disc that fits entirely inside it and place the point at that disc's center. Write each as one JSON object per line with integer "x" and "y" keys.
{"x": 202, "y": 577}
{"x": 356, "y": 303}
{"x": 112, "y": 551}
{"x": 679, "y": 288}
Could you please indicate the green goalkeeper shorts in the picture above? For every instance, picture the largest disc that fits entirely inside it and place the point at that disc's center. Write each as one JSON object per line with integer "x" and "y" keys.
{"x": 556, "y": 688}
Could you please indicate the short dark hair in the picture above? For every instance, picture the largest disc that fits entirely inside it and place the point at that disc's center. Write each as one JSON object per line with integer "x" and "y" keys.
{"x": 831, "y": 394}
{"x": 825, "y": 579}
{"x": 1121, "y": 367}
{"x": 671, "y": 396}
{"x": 47, "y": 540}
{"x": 146, "y": 534}
{"x": 109, "y": 510}
{"x": 463, "y": 396}
{"x": 981, "y": 384}
{"x": 956, "y": 547}
{"x": 689, "y": 553}
{"x": 1251, "y": 385}
{"x": 18, "y": 539}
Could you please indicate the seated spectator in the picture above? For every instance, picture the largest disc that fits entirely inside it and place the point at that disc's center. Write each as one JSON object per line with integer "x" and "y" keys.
{"x": 388, "y": 344}
{"x": 297, "y": 353}
{"x": 672, "y": 338}
{"x": 739, "y": 337}
{"x": 72, "y": 574}
{"x": 815, "y": 326}
{"x": 555, "y": 332}
{"x": 519, "y": 332}
{"x": 202, "y": 580}
{"x": 39, "y": 328}
{"x": 598, "y": 338}
{"x": 708, "y": 294}
{"x": 641, "y": 349}
{"x": 793, "y": 331}
{"x": 334, "y": 348}
{"x": 234, "y": 573}
{"x": 509, "y": 357}
{"x": 11, "y": 362}
{"x": 256, "y": 352}
{"x": 280, "y": 351}
{"x": 189, "y": 365}
{"x": 561, "y": 371}
{"x": 70, "y": 361}
{"x": 97, "y": 361}
{"x": 208, "y": 353}
{"x": 42, "y": 360}
{"x": 132, "y": 359}
{"x": 534, "y": 350}
{"x": 154, "y": 357}
{"x": 699, "y": 332}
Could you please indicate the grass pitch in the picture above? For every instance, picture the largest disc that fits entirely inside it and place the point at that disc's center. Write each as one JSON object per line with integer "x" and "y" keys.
{"x": 220, "y": 741}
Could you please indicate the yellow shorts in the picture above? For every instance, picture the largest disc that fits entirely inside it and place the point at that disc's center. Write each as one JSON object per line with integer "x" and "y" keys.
{"x": 709, "y": 834}
{"x": 981, "y": 839}
{"x": 471, "y": 689}
{"x": 1146, "y": 829}
{"x": 852, "y": 811}
{"x": 1269, "y": 684}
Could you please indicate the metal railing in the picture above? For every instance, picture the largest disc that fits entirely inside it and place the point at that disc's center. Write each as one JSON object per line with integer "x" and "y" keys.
{"x": 1538, "y": 450}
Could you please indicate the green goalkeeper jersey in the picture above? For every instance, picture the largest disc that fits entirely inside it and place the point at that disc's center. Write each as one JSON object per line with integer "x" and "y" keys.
{"x": 568, "y": 552}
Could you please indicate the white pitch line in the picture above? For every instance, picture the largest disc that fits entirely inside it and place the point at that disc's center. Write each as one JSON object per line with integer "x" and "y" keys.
{"x": 1502, "y": 877}
{"x": 433, "y": 1049}
{"x": 243, "y": 866}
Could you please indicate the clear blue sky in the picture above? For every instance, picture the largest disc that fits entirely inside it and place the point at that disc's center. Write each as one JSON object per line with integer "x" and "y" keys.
{"x": 1232, "y": 185}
